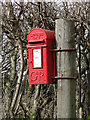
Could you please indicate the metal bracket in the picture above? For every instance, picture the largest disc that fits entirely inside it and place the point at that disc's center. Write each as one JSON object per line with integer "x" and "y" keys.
{"x": 61, "y": 50}
{"x": 62, "y": 77}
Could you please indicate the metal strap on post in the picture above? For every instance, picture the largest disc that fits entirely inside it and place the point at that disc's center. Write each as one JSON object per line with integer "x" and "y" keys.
{"x": 61, "y": 50}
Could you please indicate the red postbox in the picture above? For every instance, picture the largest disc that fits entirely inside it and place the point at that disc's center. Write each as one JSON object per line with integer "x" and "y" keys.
{"x": 40, "y": 56}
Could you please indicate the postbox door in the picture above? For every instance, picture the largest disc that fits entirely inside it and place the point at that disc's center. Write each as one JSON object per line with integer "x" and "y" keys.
{"x": 37, "y": 66}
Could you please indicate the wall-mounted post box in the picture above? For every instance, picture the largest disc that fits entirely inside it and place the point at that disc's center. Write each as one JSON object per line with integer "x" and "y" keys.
{"x": 40, "y": 56}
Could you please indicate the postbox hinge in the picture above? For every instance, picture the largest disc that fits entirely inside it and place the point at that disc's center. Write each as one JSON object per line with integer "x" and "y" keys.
{"x": 62, "y": 77}
{"x": 61, "y": 50}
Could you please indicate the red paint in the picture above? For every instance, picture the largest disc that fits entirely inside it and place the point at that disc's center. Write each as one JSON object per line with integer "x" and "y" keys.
{"x": 42, "y": 40}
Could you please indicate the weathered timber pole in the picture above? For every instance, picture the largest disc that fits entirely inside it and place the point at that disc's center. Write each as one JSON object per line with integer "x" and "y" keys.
{"x": 1, "y": 96}
{"x": 66, "y": 88}
{"x": 89, "y": 85}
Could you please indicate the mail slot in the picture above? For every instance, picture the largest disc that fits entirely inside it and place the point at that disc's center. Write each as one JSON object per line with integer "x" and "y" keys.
{"x": 40, "y": 57}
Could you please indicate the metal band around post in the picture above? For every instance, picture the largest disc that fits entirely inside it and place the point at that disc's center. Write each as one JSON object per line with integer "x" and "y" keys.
{"x": 61, "y": 50}
{"x": 62, "y": 77}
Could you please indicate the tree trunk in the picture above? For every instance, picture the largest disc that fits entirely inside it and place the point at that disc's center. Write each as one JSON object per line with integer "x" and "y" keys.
{"x": 19, "y": 79}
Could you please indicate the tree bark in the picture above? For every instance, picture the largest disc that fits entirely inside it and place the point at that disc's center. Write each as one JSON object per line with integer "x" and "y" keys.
{"x": 65, "y": 67}
{"x": 12, "y": 75}
{"x": 19, "y": 78}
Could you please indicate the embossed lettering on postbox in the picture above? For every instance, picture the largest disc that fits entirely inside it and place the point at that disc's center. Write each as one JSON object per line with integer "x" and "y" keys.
{"x": 37, "y": 75}
{"x": 36, "y": 36}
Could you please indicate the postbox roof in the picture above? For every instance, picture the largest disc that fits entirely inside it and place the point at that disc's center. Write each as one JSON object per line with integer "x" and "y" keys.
{"x": 39, "y": 34}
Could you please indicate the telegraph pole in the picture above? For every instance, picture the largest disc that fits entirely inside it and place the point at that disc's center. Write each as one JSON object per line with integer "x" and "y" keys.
{"x": 66, "y": 87}
{"x": 1, "y": 97}
{"x": 89, "y": 85}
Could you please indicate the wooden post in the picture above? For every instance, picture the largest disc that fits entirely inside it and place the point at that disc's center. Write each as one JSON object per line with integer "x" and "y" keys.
{"x": 89, "y": 85}
{"x": 1, "y": 104}
{"x": 66, "y": 88}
